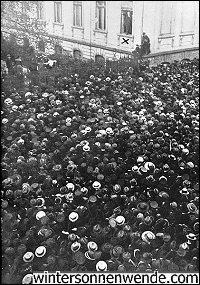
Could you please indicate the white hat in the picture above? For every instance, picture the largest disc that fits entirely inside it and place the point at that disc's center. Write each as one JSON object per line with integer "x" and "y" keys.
{"x": 75, "y": 246}
{"x": 140, "y": 159}
{"x": 40, "y": 251}
{"x": 86, "y": 147}
{"x": 101, "y": 266}
{"x": 96, "y": 185}
{"x": 92, "y": 246}
{"x": 70, "y": 186}
{"x": 40, "y": 215}
{"x": 27, "y": 279}
{"x": 28, "y": 256}
{"x": 112, "y": 222}
{"x": 120, "y": 220}
{"x": 73, "y": 217}
{"x": 148, "y": 236}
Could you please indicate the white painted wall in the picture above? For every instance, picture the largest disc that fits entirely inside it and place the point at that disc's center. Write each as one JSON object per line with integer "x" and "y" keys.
{"x": 147, "y": 17}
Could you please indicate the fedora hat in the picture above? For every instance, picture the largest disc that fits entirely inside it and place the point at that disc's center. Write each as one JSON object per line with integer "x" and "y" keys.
{"x": 101, "y": 266}
{"x": 73, "y": 217}
{"x": 148, "y": 236}
{"x": 143, "y": 207}
{"x": 92, "y": 246}
{"x": 28, "y": 256}
{"x": 40, "y": 251}
{"x": 75, "y": 246}
{"x": 27, "y": 279}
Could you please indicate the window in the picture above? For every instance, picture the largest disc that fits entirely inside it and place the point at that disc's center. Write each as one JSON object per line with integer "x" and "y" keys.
{"x": 77, "y": 54}
{"x": 126, "y": 17}
{"x": 58, "y": 12}
{"x": 188, "y": 16}
{"x": 167, "y": 26}
{"x": 101, "y": 15}
{"x": 40, "y": 10}
{"x": 77, "y": 13}
{"x": 99, "y": 58}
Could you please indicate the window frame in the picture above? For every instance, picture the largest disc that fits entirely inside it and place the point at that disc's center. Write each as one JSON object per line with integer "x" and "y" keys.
{"x": 80, "y": 54}
{"x": 75, "y": 5}
{"x": 122, "y": 31}
{"x": 56, "y": 18}
{"x": 40, "y": 10}
{"x": 102, "y": 7}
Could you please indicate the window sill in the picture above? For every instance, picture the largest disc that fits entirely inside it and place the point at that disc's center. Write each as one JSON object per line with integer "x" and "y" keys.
{"x": 77, "y": 27}
{"x": 125, "y": 35}
{"x": 100, "y": 31}
{"x": 186, "y": 34}
{"x": 166, "y": 36}
{"x": 58, "y": 24}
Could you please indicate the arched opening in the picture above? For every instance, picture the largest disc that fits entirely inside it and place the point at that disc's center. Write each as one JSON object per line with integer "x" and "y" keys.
{"x": 99, "y": 58}
{"x": 77, "y": 54}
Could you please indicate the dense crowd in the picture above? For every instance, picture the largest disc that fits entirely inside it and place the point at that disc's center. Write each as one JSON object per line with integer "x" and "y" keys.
{"x": 103, "y": 174}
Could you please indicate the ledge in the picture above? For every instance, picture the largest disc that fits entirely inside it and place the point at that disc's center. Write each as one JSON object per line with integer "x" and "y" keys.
{"x": 166, "y": 36}
{"x": 100, "y": 31}
{"x": 78, "y": 28}
{"x": 58, "y": 24}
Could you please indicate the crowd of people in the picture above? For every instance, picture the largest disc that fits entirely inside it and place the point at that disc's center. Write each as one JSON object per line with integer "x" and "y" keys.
{"x": 103, "y": 174}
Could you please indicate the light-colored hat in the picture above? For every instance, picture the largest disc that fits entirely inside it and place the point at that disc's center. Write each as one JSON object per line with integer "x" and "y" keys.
{"x": 148, "y": 236}
{"x": 40, "y": 215}
{"x": 73, "y": 217}
{"x": 40, "y": 251}
{"x": 92, "y": 246}
{"x": 101, "y": 266}
{"x": 120, "y": 220}
{"x": 28, "y": 256}
{"x": 27, "y": 279}
{"x": 75, "y": 246}
{"x": 70, "y": 186}
{"x": 96, "y": 185}
{"x": 140, "y": 159}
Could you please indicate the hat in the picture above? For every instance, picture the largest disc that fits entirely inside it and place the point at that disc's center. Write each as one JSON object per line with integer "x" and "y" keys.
{"x": 101, "y": 266}
{"x": 75, "y": 246}
{"x": 117, "y": 188}
{"x": 92, "y": 199}
{"x": 191, "y": 237}
{"x": 148, "y": 236}
{"x": 27, "y": 279}
{"x": 40, "y": 214}
{"x": 70, "y": 186}
{"x": 184, "y": 191}
{"x": 92, "y": 246}
{"x": 40, "y": 251}
{"x": 143, "y": 207}
{"x": 79, "y": 257}
{"x": 140, "y": 159}
{"x": 192, "y": 207}
{"x": 73, "y": 217}
{"x": 28, "y": 256}
{"x": 90, "y": 255}
{"x": 149, "y": 166}
{"x": 153, "y": 204}
{"x": 166, "y": 167}
{"x": 148, "y": 220}
{"x": 96, "y": 185}
{"x": 120, "y": 220}
{"x": 112, "y": 222}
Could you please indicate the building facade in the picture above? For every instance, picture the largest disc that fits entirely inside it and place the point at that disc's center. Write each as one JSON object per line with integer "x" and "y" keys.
{"x": 112, "y": 29}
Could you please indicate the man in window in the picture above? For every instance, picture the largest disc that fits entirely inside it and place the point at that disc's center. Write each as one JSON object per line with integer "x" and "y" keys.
{"x": 128, "y": 23}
